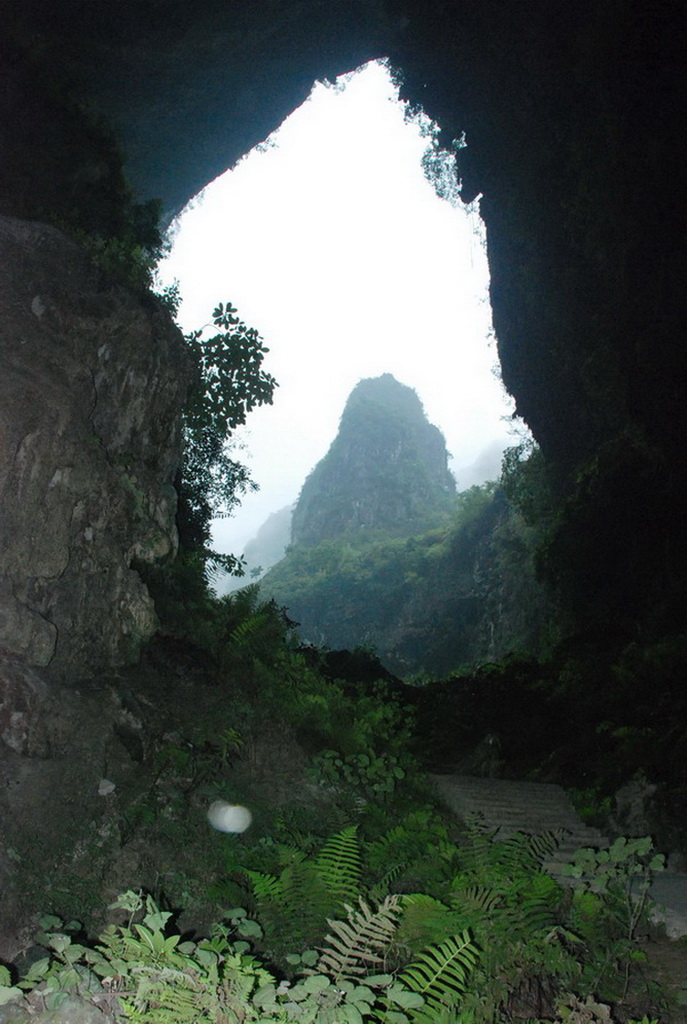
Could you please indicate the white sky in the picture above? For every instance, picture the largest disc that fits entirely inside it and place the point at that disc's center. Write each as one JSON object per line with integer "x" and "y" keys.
{"x": 332, "y": 243}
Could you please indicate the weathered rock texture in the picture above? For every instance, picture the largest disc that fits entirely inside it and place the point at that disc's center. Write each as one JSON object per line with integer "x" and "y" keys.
{"x": 23, "y": 694}
{"x": 91, "y": 386}
{"x": 107, "y": 786}
{"x": 574, "y": 118}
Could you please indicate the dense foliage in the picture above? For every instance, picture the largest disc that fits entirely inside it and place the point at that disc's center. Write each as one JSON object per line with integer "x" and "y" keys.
{"x": 492, "y": 938}
{"x": 354, "y": 896}
{"x": 453, "y": 596}
{"x": 227, "y": 382}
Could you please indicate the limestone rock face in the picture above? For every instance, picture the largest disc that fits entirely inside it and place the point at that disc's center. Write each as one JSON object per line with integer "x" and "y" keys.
{"x": 92, "y": 382}
{"x": 22, "y": 696}
{"x": 386, "y": 470}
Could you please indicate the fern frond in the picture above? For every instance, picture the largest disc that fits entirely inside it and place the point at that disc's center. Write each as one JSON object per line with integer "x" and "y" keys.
{"x": 440, "y": 973}
{"x": 303, "y": 892}
{"x": 478, "y": 897}
{"x": 381, "y": 887}
{"x": 287, "y": 854}
{"x": 164, "y": 995}
{"x": 477, "y": 828}
{"x": 425, "y": 920}
{"x": 390, "y": 854}
{"x": 355, "y": 945}
{"x": 338, "y": 865}
{"x": 388, "y": 846}
{"x": 294, "y": 837}
{"x": 523, "y": 907}
{"x": 525, "y": 851}
{"x": 244, "y": 633}
{"x": 477, "y": 850}
{"x": 265, "y": 886}
{"x": 536, "y": 907}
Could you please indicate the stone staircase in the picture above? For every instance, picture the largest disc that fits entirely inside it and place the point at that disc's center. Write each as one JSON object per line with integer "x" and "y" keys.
{"x": 510, "y": 807}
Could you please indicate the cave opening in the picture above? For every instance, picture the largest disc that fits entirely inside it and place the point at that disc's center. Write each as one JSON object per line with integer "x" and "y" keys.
{"x": 121, "y": 745}
{"x": 344, "y": 240}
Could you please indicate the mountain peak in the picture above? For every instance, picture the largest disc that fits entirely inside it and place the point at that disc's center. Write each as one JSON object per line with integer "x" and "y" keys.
{"x": 386, "y": 470}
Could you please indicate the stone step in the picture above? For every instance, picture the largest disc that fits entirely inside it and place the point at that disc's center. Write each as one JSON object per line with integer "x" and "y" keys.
{"x": 507, "y": 807}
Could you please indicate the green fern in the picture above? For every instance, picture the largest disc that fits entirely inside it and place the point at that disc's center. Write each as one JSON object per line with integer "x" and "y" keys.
{"x": 167, "y": 996}
{"x": 288, "y": 853}
{"x": 355, "y": 945}
{"x": 440, "y": 974}
{"x": 335, "y": 871}
{"x": 244, "y": 634}
{"x": 538, "y": 903}
{"x": 525, "y": 851}
{"x": 380, "y": 889}
{"x": 338, "y": 865}
{"x": 415, "y": 853}
{"x": 502, "y": 865}
{"x": 484, "y": 857}
{"x": 513, "y": 909}
{"x": 265, "y": 886}
{"x": 293, "y": 907}
{"x": 303, "y": 894}
{"x": 478, "y": 846}
{"x": 392, "y": 846}
{"x": 480, "y": 898}
{"x": 518, "y": 894}
{"x": 391, "y": 854}
{"x": 426, "y": 920}
{"x": 518, "y": 910}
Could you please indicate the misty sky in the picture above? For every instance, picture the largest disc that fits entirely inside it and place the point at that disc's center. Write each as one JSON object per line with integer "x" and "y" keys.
{"x": 332, "y": 243}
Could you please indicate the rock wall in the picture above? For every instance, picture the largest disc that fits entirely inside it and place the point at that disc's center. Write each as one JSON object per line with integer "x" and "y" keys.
{"x": 92, "y": 382}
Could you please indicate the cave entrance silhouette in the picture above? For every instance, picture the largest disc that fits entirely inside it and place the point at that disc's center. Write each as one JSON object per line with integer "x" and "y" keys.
{"x": 343, "y": 238}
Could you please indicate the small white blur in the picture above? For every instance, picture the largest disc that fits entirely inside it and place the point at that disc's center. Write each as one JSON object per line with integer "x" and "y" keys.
{"x": 226, "y": 817}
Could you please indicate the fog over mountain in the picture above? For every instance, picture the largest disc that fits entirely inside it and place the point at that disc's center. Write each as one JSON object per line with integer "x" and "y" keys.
{"x": 384, "y": 553}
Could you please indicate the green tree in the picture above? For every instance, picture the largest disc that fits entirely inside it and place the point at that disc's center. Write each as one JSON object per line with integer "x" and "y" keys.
{"x": 227, "y": 381}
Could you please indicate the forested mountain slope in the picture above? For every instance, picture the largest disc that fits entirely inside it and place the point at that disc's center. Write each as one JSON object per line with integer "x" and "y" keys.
{"x": 386, "y": 555}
